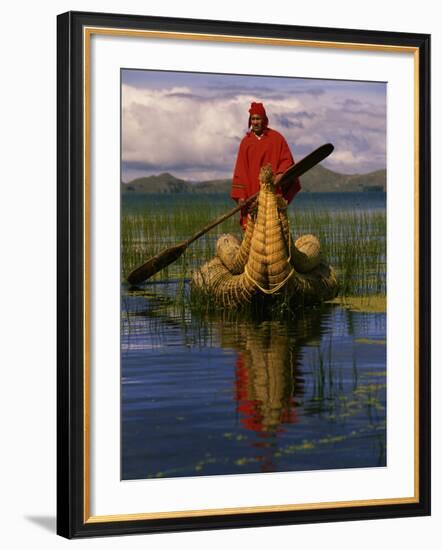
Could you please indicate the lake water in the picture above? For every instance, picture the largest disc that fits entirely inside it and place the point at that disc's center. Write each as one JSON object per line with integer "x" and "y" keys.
{"x": 225, "y": 394}
{"x": 140, "y": 203}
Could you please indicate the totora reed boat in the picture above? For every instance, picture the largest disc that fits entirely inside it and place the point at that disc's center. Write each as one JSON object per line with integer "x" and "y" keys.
{"x": 268, "y": 263}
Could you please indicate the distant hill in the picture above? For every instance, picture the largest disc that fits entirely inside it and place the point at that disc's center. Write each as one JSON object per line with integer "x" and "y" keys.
{"x": 320, "y": 179}
{"x": 164, "y": 183}
{"x": 316, "y": 180}
{"x": 214, "y": 186}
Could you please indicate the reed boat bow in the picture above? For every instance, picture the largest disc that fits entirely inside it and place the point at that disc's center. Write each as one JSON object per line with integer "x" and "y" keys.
{"x": 267, "y": 263}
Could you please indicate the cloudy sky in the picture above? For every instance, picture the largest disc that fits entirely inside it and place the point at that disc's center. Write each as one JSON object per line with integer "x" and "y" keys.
{"x": 190, "y": 124}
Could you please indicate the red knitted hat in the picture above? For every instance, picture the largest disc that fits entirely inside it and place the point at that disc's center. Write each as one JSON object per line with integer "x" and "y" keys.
{"x": 258, "y": 109}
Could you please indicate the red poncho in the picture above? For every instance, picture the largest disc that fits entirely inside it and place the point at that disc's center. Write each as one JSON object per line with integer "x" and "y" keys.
{"x": 270, "y": 148}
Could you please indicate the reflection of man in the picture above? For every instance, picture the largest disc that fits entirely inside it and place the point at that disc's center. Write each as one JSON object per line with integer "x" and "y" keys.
{"x": 260, "y": 146}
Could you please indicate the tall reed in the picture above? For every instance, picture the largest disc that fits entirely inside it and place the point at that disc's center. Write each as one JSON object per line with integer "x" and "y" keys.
{"x": 352, "y": 241}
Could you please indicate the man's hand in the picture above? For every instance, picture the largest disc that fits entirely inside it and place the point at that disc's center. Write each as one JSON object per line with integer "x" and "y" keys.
{"x": 277, "y": 179}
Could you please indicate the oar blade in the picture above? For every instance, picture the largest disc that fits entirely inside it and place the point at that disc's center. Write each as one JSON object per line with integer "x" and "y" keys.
{"x": 156, "y": 264}
{"x": 306, "y": 164}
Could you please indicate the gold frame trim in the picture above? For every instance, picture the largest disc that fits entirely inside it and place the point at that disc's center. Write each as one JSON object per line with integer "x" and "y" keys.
{"x": 87, "y": 34}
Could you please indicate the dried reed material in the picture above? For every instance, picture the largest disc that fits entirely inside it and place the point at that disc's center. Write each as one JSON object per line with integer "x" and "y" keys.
{"x": 267, "y": 261}
{"x": 227, "y": 249}
{"x": 318, "y": 285}
{"x": 307, "y": 253}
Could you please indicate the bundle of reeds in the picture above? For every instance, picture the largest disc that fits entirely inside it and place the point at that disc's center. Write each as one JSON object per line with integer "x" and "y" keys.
{"x": 267, "y": 262}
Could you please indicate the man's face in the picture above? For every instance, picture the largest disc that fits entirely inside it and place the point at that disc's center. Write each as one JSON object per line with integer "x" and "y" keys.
{"x": 257, "y": 124}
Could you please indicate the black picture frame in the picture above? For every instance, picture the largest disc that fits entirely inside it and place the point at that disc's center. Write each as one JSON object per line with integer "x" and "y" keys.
{"x": 72, "y": 392}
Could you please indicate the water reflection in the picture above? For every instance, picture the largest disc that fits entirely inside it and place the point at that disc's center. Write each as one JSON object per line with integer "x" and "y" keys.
{"x": 268, "y": 374}
{"x": 208, "y": 394}
{"x": 265, "y": 380}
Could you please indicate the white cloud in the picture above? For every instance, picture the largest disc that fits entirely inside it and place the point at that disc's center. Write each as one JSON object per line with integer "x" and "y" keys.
{"x": 171, "y": 127}
{"x": 179, "y": 130}
{"x": 345, "y": 157}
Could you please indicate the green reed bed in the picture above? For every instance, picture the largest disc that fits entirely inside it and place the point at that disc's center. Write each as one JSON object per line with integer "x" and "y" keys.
{"x": 144, "y": 235}
{"x": 352, "y": 241}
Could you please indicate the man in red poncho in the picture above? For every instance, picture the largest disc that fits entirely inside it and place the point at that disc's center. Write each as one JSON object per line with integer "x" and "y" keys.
{"x": 260, "y": 146}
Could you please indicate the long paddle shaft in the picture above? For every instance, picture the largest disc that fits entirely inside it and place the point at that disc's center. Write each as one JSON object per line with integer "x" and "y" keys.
{"x": 169, "y": 255}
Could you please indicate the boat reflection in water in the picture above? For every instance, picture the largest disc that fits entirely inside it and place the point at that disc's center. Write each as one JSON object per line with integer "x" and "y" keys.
{"x": 227, "y": 394}
{"x": 268, "y": 368}
{"x": 265, "y": 382}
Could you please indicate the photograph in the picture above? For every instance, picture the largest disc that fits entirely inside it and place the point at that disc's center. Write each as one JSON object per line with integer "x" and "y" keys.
{"x": 221, "y": 325}
{"x": 261, "y": 347}
{"x": 243, "y": 274}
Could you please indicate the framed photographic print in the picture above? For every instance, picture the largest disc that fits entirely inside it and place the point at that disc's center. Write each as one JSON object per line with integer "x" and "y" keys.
{"x": 243, "y": 274}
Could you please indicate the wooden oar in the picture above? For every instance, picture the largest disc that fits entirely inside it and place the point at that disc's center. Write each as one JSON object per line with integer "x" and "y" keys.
{"x": 169, "y": 255}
